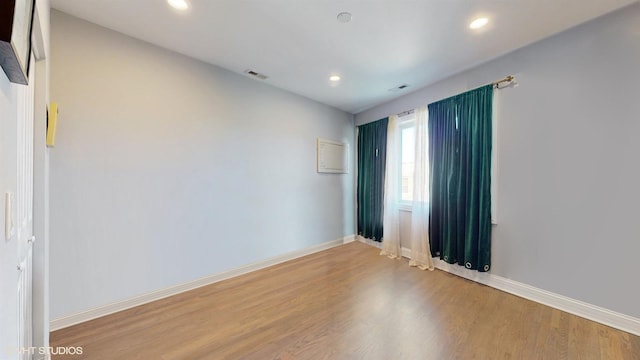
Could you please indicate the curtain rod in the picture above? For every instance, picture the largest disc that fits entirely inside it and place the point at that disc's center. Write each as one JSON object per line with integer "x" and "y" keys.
{"x": 405, "y": 113}
{"x": 509, "y": 79}
{"x": 496, "y": 85}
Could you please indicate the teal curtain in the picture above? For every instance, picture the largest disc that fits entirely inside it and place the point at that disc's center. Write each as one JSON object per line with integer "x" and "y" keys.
{"x": 372, "y": 155}
{"x": 460, "y": 185}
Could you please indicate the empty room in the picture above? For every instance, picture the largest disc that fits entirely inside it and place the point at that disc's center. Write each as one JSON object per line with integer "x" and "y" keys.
{"x": 279, "y": 179}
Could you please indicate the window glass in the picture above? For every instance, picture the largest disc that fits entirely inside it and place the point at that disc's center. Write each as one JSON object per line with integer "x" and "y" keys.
{"x": 407, "y": 155}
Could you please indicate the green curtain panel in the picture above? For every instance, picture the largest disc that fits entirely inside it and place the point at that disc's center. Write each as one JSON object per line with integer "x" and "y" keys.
{"x": 372, "y": 155}
{"x": 460, "y": 184}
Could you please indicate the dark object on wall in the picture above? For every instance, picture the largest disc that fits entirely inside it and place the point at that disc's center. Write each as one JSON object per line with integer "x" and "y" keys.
{"x": 16, "y": 22}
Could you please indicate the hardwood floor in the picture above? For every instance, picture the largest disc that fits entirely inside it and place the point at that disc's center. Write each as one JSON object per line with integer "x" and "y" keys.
{"x": 345, "y": 303}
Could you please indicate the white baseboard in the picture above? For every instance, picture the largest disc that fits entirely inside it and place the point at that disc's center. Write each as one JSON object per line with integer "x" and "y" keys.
{"x": 350, "y": 238}
{"x": 101, "y": 311}
{"x": 576, "y": 307}
{"x": 588, "y": 311}
{"x": 369, "y": 242}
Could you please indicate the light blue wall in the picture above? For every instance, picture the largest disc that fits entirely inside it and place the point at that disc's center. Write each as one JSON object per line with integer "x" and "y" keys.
{"x": 167, "y": 169}
{"x": 568, "y": 182}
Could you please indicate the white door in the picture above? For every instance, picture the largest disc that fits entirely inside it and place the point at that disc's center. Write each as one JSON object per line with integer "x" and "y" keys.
{"x": 24, "y": 211}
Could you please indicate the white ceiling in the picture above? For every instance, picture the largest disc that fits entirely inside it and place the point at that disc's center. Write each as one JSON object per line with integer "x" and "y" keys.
{"x": 299, "y": 43}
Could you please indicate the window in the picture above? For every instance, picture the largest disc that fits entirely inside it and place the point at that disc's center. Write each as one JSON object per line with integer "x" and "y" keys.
{"x": 405, "y": 188}
{"x": 407, "y": 160}
{"x": 407, "y": 155}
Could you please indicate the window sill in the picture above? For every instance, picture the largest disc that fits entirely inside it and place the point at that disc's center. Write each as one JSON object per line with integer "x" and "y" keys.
{"x": 408, "y": 206}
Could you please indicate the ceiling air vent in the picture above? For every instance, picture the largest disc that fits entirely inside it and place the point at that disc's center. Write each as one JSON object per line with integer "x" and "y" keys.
{"x": 256, "y": 74}
{"x": 398, "y": 88}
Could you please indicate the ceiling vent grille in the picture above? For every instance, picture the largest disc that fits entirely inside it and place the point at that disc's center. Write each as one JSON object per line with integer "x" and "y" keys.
{"x": 256, "y": 74}
{"x": 398, "y": 88}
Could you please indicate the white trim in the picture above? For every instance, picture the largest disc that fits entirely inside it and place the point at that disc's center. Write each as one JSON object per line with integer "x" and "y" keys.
{"x": 557, "y": 301}
{"x": 576, "y": 307}
{"x": 369, "y": 242}
{"x": 406, "y": 252}
{"x": 348, "y": 239}
{"x": 101, "y": 311}
{"x": 37, "y": 40}
{"x": 406, "y": 206}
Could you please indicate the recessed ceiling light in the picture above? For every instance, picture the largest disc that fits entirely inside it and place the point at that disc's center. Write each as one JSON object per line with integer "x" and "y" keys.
{"x": 478, "y": 23}
{"x": 344, "y": 17}
{"x": 334, "y": 78}
{"x": 179, "y": 4}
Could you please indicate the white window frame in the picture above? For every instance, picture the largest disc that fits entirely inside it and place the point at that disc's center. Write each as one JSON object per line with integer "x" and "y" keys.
{"x": 405, "y": 121}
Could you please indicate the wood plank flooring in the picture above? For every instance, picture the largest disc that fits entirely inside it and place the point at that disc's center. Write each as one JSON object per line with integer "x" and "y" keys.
{"x": 345, "y": 303}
